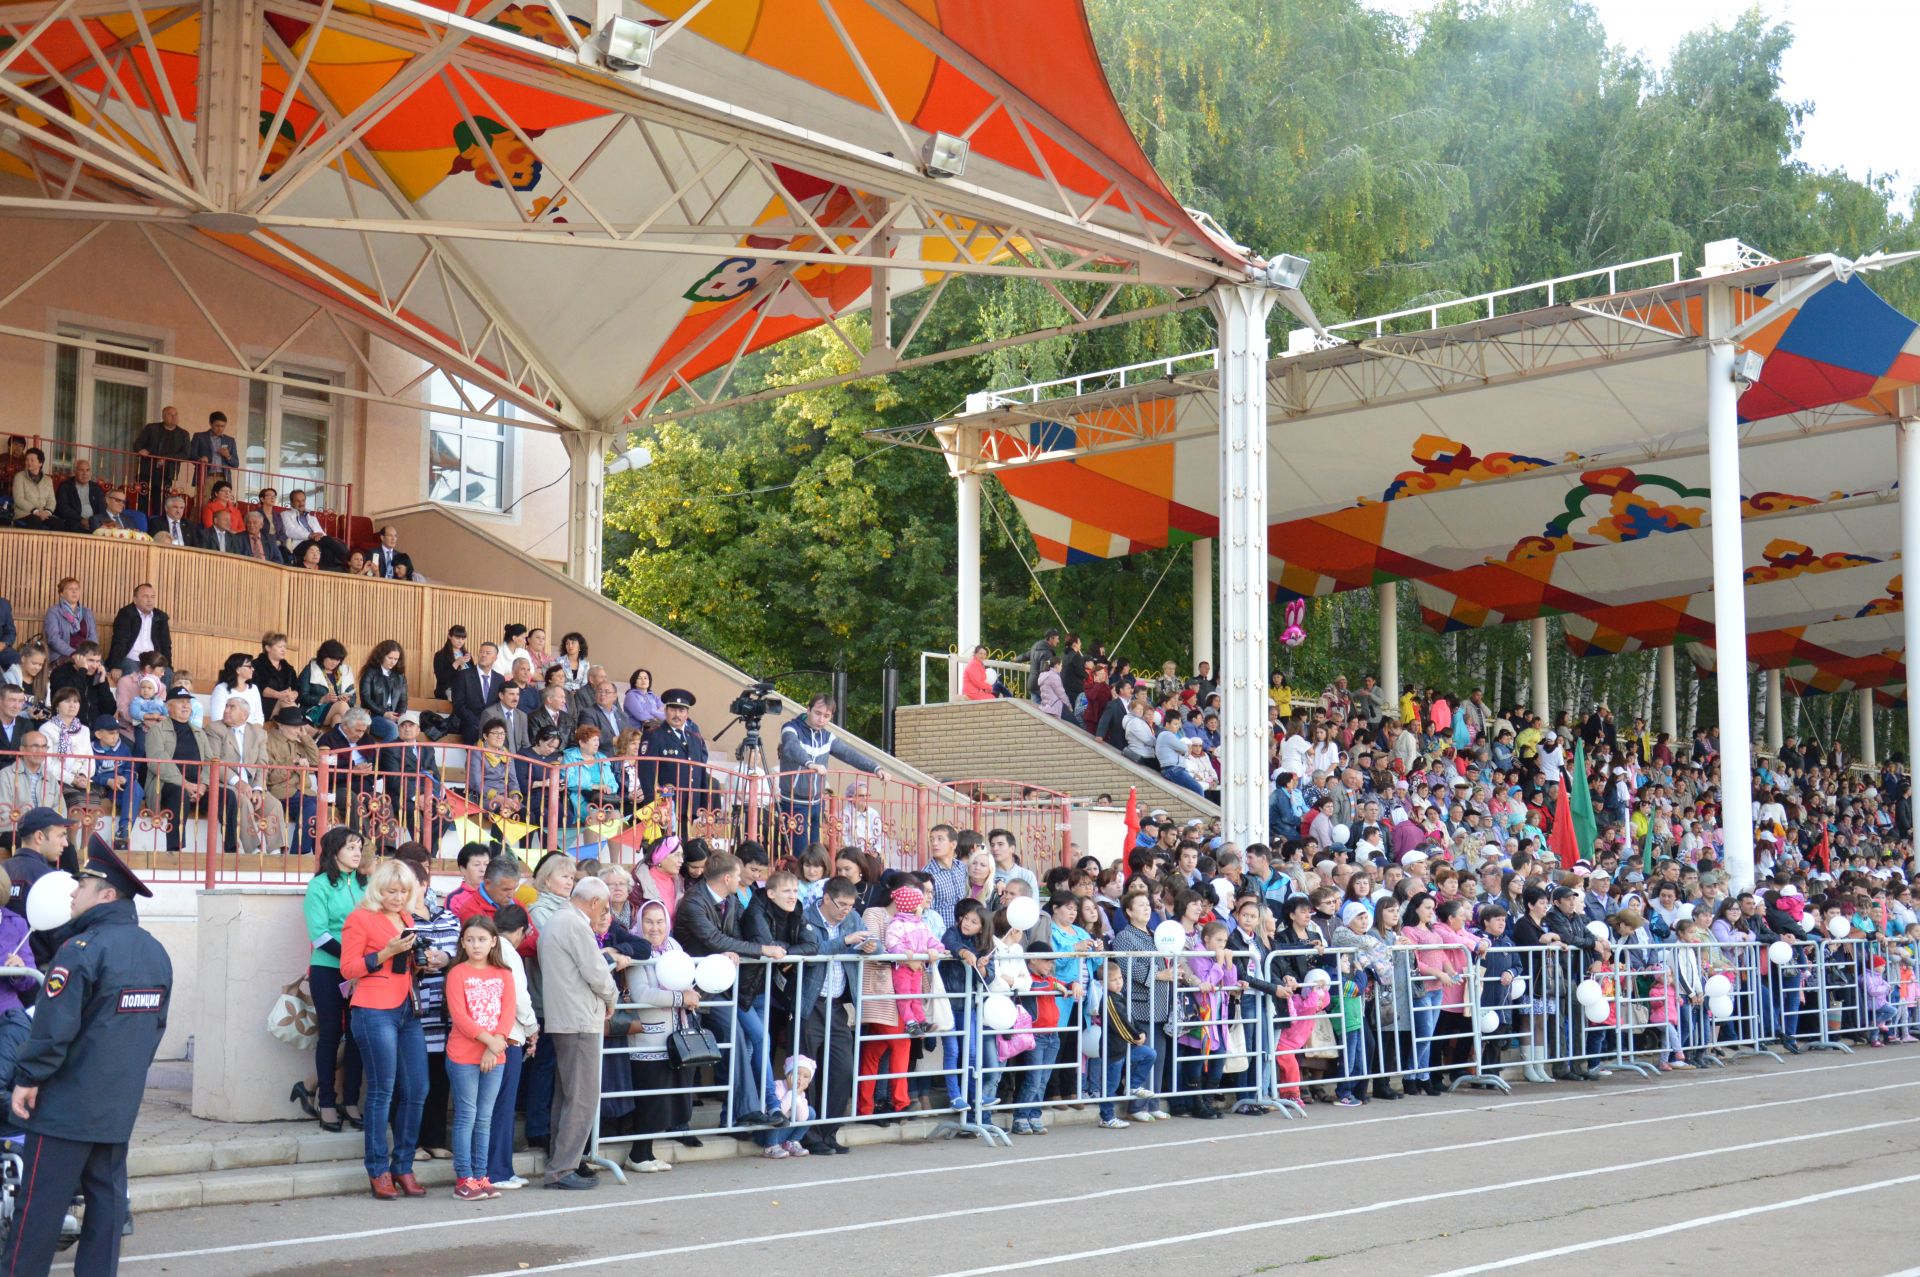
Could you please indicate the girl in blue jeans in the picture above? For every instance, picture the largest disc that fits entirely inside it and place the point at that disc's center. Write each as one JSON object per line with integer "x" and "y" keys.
{"x": 481, "y": 1002}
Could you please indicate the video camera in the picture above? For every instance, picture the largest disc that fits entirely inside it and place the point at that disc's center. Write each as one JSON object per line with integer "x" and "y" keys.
{"x": 754, "y": 704}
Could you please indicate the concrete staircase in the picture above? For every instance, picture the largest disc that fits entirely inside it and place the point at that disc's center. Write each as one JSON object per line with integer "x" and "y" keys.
{"x": 1012, "y": 739}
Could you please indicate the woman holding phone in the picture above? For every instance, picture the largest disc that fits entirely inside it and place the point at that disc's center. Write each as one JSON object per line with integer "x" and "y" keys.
{"x": 376, "y": 951}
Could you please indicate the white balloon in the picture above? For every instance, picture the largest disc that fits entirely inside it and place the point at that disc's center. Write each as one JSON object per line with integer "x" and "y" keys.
{"x": 1489, "y": 1021}
{"x": 1588, "y": 993}
{"x": 713, "y": 973}
{"x": 1597, "y": 929}
{"x": 1718, "y": 986}
{"x": 1340, "y": 835}
{"x": 1023, "y": 912}
{"x": 675, "y": 971}
{"x": 1720, "y": 1008}
{"x": 1518, "y": 987}
{"x": 50, "y": 901}
{"x": 1596, "y": 1012}
{"x": 1318, "y": 977}
{"x": 1837, "y": 926}
{"x": 998, "y": 1013}
{"x": 1781, "y": 952}
{"x": 1169, "y": 937}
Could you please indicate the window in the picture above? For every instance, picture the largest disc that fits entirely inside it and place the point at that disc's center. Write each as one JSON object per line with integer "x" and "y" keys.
{"x": 289, "y": 430}
{"x": 101, "y": 398}
{"x": 468, "y": 462}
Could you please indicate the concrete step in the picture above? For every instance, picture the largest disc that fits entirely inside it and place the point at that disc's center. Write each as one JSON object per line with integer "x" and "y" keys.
{"x": 248, "y": 1185}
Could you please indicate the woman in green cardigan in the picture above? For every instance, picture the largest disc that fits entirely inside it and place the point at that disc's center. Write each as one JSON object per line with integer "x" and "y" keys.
{"x": 333, "y": 892}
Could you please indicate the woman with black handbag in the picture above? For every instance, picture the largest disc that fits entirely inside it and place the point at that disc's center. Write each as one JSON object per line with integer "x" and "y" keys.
{"x": 660, "y": 1013}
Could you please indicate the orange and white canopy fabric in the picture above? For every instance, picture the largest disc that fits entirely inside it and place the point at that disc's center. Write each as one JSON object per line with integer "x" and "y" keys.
{"x": 465, "y": 178}
{"x": 1550, "y": 461}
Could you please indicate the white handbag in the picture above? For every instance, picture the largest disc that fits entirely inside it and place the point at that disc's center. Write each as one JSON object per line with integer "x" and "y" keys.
{"x": 939, "y": 1009}
{"x": 292, "y": 1019}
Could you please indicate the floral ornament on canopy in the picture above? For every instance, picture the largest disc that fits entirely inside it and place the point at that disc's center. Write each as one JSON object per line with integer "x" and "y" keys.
{"x": 1615, "y": 506}
{"x": 1447, "y": 463}
{"x": 1785, "y": 559}
{"x": 1893, "y": 601}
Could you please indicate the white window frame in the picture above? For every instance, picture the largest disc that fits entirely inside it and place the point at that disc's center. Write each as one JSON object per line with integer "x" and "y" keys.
{"x": 331, "y": 408}
{"x": 467, "y": 396}
{"x": 89, "y": 372}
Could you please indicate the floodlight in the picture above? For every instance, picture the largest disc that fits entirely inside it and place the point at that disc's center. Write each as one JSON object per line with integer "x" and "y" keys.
{"x": 638, "y": 457}
{"x": 626, "y": 45}
{"x": 1746, "y": 367}
{"x": 1286, "y": 271}
{"x": 944, "y": 155}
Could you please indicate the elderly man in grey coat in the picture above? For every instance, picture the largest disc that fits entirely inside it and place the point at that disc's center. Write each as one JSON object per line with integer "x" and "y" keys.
{"x": 578, "y": 996}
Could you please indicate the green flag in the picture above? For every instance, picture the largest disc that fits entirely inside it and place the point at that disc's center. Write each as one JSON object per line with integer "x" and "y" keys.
{"x": 1646, "y": 853}
{"x": 1581, "y": 800}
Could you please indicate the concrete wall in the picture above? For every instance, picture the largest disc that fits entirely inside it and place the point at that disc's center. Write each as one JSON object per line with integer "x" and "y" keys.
{"x": 1011, "y": 739}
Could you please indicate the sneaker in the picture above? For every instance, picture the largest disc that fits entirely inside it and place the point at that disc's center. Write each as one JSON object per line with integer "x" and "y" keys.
{"x": 1115, "y": 1124}
{"x": 1162, "y": 1115}
{"x": 1347, "y": 1102}
{"x": 1022, "y": 1127}
{"x": 510, "y": 1183}
{"x": 467, "y": 1191}
{"x": 1141, "y": 1092}
{"x": 486, "y": 1187}
{"x": 775, "y": 1151}
{"x": 651, "y": 1166}
{"x": 796, "y": 1149}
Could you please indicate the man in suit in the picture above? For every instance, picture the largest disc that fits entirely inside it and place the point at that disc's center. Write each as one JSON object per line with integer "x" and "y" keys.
{"x": 165, "y": 444}
{"x": 172, "y": 522}
{"x": 79, "y": 499}
{"x": 517, "y": 721}
{"x": 257, "y": 543}
{"x": 475, "y": 689}
{"x": 606, "y": 714}
{"x": 179, "y": 770}
{"x": 138, "y": 628}
{"x": 250, "y": 815}
{"x": 214, "y": 451}
{"x": 553, "y": 712}
{"x": 116, "y": 514}
{"x": 219, "y": 539}
{"x": 299, "y": 525}
{"x": 387, "y": 554}
{"x": 708, "y": 921}
{"x": 14, "y": 723}
{"x": 352, "y": 754}
{"x": 825, "y": 990}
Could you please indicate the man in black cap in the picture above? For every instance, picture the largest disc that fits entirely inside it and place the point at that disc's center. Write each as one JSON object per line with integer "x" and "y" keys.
{"x": 673, "y": 757}
{"x": 179, "y": 770}
{"x": 40, "y": 843}
{"x": 81, "y": 1073}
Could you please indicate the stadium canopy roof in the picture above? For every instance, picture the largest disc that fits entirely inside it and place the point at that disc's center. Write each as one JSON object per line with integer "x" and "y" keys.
{"x": 1551, "y": 460}
{"x": 591, "y": 245}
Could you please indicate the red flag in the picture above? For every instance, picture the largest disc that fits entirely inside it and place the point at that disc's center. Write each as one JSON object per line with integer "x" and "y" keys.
{"x": 1823, "y": 850}
{"x": 1133, "y": 823}
{"x": 1561, "y": 840}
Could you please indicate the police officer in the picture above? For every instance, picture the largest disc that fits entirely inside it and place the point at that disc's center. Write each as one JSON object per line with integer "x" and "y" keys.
{"x": 673, "y": 756}
{"x": 79, "y": 1079}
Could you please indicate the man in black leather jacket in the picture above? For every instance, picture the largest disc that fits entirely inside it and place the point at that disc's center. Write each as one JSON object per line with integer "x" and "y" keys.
{"x": 1568, "y": 921}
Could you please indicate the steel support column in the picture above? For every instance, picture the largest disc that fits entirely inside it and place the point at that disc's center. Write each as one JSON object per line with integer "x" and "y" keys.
{"x": 1729, "y": 591}
{"x": 1240, "y": 311}
{"x": 1776, "y": 713}
{"x": 1869, "y": 747}
{"x": 1669, "y": 699}
{"x": 1387, "y": 600}
{"x": 586, "y": 504}
{"x": 1909, "y": 466}
{"x": 1537, "y": 650}
{"x": 1202, "y": 603}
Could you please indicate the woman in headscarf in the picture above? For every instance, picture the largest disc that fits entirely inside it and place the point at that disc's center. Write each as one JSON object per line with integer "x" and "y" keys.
{"x": 660, "y": 1012}
{"x": 659, "y": 874}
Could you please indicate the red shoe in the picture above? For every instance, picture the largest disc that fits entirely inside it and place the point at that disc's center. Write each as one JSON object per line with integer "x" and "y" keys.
{"x": 384, "y": 1190}
{"x": 468, "y": 1190}
{"x": 409, "y": 1185}
{"x": 484, "y": 1187}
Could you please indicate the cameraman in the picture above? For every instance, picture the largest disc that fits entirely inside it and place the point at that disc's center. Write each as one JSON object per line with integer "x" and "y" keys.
{"x": 805, "y": 745}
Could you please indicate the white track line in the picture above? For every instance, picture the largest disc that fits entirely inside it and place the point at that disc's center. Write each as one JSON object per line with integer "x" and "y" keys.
{"x": 1702, "y": 1221}
{"x": 1184, "y": 1182}
{"x": 1000, "y": 1164}
{"x": 1348, "y": 1212}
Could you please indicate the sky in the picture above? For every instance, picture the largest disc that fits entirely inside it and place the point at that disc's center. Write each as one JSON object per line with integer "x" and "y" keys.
{"x": 1852, "y": 59}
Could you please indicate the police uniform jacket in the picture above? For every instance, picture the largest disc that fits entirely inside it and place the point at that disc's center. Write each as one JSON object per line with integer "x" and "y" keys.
{"x": 96, "y": 1028}
{"x": 672, "y": 759}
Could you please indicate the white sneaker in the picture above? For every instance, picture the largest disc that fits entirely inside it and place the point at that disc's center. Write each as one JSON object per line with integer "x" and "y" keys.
{"x": 1115, "y": 1124}
{"x": 651, "y": 1166}
{"x": 776, "y": 1152}
{"x": 1162, "y": 1115}
{"x": 514, "y": 1181}
{"x": 1141, "y": 1092}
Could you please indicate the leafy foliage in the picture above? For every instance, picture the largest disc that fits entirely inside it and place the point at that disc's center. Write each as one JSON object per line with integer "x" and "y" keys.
{"x": 1484, "y": 144}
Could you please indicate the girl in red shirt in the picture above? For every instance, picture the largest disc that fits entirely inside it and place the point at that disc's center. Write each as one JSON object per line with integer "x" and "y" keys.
{"x": 480, "y": 1004}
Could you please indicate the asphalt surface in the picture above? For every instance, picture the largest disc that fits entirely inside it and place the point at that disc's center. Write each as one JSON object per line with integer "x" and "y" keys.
{"x": 1758, "y": 1168}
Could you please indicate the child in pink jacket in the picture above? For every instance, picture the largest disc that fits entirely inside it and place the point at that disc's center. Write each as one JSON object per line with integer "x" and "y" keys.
{"x": 1305, "y": 1007}
{"x": 908, "y": 933}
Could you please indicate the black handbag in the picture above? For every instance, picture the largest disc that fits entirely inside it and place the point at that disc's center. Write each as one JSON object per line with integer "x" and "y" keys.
{"x": 692, "y": 1046}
